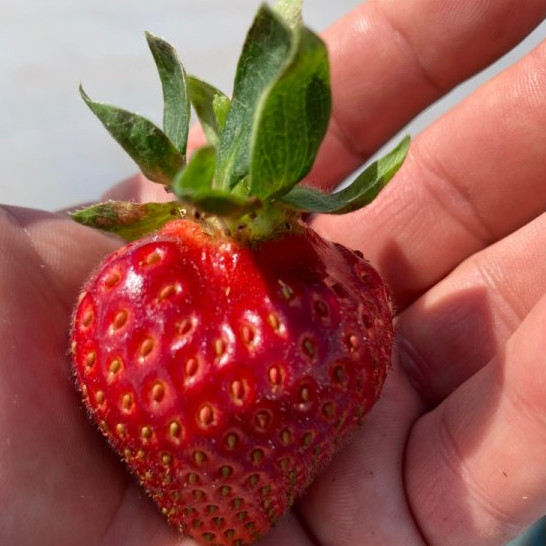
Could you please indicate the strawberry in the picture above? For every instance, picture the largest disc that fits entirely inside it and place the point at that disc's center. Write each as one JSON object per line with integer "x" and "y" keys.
{"x": 227, "y": 351}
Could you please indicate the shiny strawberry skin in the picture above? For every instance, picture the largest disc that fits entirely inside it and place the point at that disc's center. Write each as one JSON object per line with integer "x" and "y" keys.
{"x": 227, "y": 376}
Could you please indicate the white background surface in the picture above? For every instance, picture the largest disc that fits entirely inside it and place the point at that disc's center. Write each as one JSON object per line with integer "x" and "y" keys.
{"x": 53, "y": 152}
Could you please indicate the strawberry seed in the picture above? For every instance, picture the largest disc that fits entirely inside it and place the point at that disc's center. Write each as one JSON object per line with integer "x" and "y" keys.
{"x": 120, "y": 319}
{"x": 90, "y": 359}
{"x": 146, "y": 348}
{"x": 146, "y": 432}
{"x": 175, "y": 431}
{"x": 238, "y": 392}
{"x": 231, "y": 441}
{"x": 206, "y": 416}
{"x": 127, "y": 402}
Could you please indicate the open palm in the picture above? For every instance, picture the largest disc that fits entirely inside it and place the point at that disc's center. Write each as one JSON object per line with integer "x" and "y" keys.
{"x": 453, "y": 453}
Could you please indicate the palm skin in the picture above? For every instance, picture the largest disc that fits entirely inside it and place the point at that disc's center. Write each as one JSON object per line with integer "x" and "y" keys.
{"x": 453, "y": 452}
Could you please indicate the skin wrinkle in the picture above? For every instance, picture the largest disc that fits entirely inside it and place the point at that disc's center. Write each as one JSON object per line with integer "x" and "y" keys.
{"x": 454, "y": 202}
{"x": 529, "y": 256}
{"x": 536, "y": 76}
{"x": 508, "y": 313}
{"x": 528, "y": 90}
{"x": 413, "y": 366}
{"x": 426, "y": 76}
{"x": 521, "y": 402}
{"x": 450, "y": 454}
{"x": 403, "y": 471}
{"x": 104, "y": 539}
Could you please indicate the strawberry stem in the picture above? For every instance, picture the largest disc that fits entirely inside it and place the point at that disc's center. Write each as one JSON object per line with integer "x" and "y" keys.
{"x": 265, "y": 223}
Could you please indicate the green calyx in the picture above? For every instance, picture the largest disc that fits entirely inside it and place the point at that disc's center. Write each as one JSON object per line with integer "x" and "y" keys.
{"x": 261, "y": 142}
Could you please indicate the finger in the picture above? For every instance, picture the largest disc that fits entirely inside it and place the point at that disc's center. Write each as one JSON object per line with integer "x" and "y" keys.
{"x": 390, "y": 59}
{"x": 475, "y": 465}
{"x": 50, "y": 462}
{"x": 470, "y": 179}
{"x": 462, "y": 322}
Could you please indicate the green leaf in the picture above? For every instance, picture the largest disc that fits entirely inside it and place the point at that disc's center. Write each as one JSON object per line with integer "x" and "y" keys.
{"x": 292, "y": 119}
{"x": 265, "y": 52}
{"x": 221, "y": 105}
{"x": 361, "y": 191}
{"x": 198, "y": 174}
{"x": 128, "y": 220}
{"x": 211, "y": 107}
{"x": 176, "y": 104}
{"x": 290, "y": 11}
{"x": 279, "y": 111}
{"x": 152, "y": 150}
{"x": 193, "y": 185}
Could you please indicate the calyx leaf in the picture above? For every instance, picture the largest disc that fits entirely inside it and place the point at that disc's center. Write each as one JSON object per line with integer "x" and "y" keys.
{"x": 176, "y": 104}
{"x": 198, "y": 174}
{"x": 280, "y": 108}
{"x": 290, "y": 11}
{"x": 211, "y": 107}
{"x": 150, "y": 148}
{"x": 359, "y": 193}
{"x": 265, "y": 51}
{"x": 128, "y": 220}
{"x": 291, "y": 119}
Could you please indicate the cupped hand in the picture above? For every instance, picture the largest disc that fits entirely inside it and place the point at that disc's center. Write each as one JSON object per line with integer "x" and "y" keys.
{"x": 453, "y": 453}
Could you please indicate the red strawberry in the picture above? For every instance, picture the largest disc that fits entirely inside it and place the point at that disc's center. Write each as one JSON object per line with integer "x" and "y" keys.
{"x": 228, "y": 351}
{"x": 224, "y": 375}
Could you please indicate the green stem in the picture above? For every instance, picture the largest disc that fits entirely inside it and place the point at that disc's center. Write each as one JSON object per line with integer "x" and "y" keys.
{"x": 265, "y": 223}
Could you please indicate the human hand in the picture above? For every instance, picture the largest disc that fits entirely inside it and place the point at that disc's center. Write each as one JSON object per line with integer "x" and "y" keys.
{"x": 453, "y": 452}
